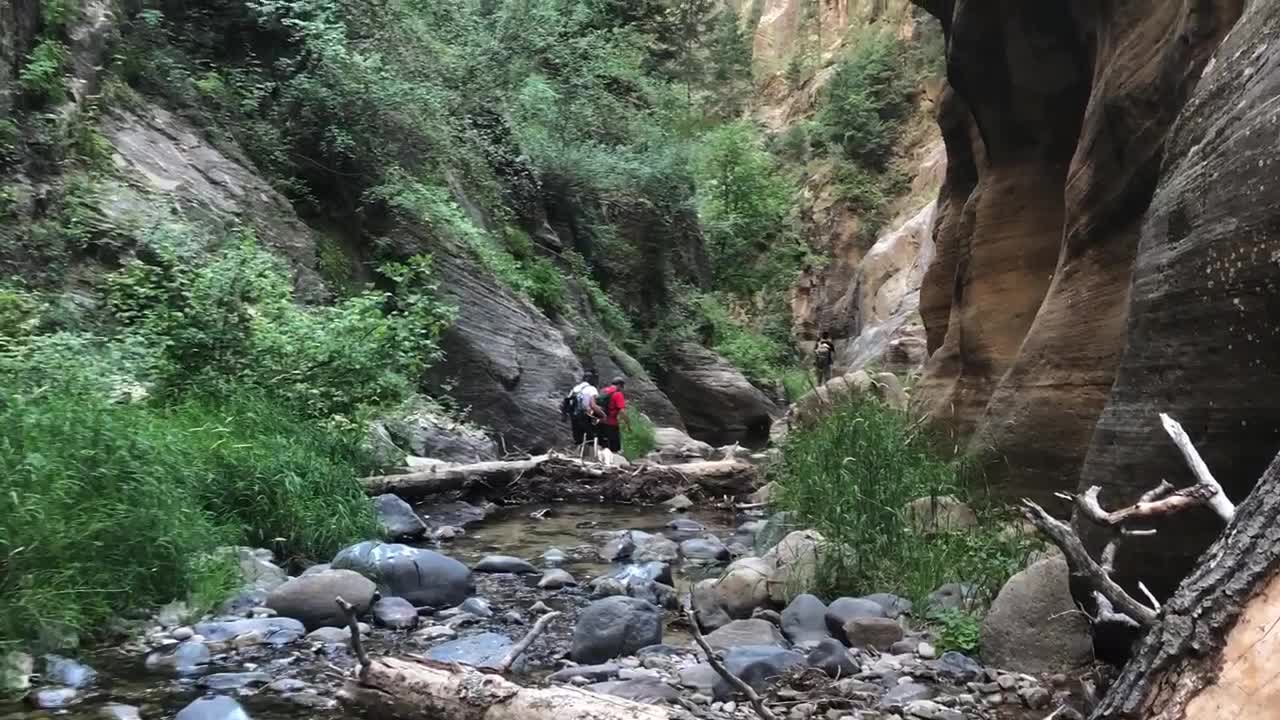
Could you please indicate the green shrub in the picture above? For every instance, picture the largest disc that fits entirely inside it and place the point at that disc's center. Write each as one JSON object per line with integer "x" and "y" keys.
{"x": 849, "y": 475}
{"x": 869, "y": 98}
{"x": 638, "y": 435}
{"x": 41, "y": 77}
{"x": 957, "y": 630}
{"x": 798, "y": 382}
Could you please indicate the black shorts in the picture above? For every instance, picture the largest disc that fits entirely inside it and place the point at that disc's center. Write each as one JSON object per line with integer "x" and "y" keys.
{"x": 583, "y": 429}
{"x": 610, "y": 436}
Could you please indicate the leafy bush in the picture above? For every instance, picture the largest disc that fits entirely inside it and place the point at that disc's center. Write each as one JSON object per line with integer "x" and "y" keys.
{"x": 41, "y": 77}
{"x": 849, "y": 475}
{"x": 869, "y": 98}
{"x": 957, "y": 630}
{"x": 639, "y": 436}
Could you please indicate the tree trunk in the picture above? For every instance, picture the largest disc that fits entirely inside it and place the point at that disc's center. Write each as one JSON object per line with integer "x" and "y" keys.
{"x": 551, "y": 477}
{"x": 415, "y": 690}
{"x": 1212, "y": 654}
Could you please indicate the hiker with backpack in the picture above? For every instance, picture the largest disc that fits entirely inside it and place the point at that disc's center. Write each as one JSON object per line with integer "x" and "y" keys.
{"x": 581, "y": 409}
{"x": 824, "y": 356}
{"x": 612, "y": 402}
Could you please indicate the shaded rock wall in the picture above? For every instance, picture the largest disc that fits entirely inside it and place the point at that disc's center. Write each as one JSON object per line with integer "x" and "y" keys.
{"x": 1203, "y": 332}
{"x": 19, "y": 22}
{"x": 1055, "y": 126}
{"x": 719, "y": 405}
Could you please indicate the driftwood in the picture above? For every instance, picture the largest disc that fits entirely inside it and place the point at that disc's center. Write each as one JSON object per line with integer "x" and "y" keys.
{"x": 406, "y": 689}
{"x": 559, "y": 474}
{"x": 1112, "y": 601}
{"x": 713, "y": 659}
{"x": 510, "y": 658}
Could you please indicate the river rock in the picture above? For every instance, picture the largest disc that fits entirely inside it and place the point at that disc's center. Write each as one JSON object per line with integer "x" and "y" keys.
{"x": 428, "y": 432}
{"x": 67, "y": 672}
{"x": 554, "y": 557}
{"x": 504, "y": 564}
{"x": 708, "y": 549}
{"x": 1033, "y": 625}
{"x": 330, "y": 635}
{"x": 653, "y": 548}
{"x": 317, "y": 568}
{"x": 679, "y": 503}
{"x": 764, "y": 495}
{"x": 804, "y": 620}
{"x": 618, "y": 545}
{"x": 643, "y": 690}
{"x": 672, "y": 445}
{"x": 893, "y": 605}
{"x": 310, "y": 598}
{"x": 483, "y": 650}
{"x": 714, "y": 398}
{"x": 423, "y": 577}
{"x": 187, "y": 657}
{"x": 952, "y": 596}
{"x": 832, "y": 657}
{"x": 872, "y": 632}
{"x": 614, "y": 627}
{"x": 941, "y": 513}
{"x": 53, "y": 698}
{"x": 118, "y": 711}
{"x": 593, "y": 673}
{"x": 758, "y": 666}
{"x": 397, "y": 518}
{"x": 686, "y": 526}
{"x": 15, "y": 672}
{"x": 746, "y": 632}
{"x": 902, "y": 693}
{"x": 795, "y": 565}
{"x": 477, "y": 606}
{"x": 395, "y": 613}
{"x": 744, "y": 587}
{"x": 706, "y": 603}
{"x": 272, "y": 631}
{"x": 842, "y": 610}
{"x": 556, "y": 578}
{"x": 257, "y": 568}
{"x": 959, "y": 666}
{"x": 233, "y": 681}
{"x": 218, "y": 707}
{"x": 930, "y": 710}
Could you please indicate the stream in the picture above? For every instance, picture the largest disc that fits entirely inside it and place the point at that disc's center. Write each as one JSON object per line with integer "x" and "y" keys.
{"x": 302, "y": 678}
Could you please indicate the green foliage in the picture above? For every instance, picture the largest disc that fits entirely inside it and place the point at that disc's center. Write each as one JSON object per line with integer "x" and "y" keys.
{"x": 744, "y": 203}
{"x": 798, "y": 382}
{"x": 639, "y": 435}
{"x": 730, "y": 56}
{"x": 54, "y": 14}
{"x": 849, "y": 476}
{"x": 957, "y": 630}
{"x": 40, "y": 78}
{"x": 868, "y": 99}
{"x": 808, "y": 45}
{"x": 230, "y": 322}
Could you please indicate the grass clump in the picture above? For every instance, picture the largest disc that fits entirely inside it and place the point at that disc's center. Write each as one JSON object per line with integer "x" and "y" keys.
{"x": 639, "y": 435}
{"x": 849, "y": 476}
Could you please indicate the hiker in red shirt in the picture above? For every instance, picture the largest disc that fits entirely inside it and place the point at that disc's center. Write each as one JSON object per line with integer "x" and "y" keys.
{"x": 612, "y": 401}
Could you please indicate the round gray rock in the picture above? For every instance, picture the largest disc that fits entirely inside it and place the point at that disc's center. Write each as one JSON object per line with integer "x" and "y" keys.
{"x": 804, "y": 620}
{"x": 395, "y": 613}
{"x": 842, "y": 610}
{"x": 707, "y": 549}
{"x": 740, "y": 633}
{"x": 504, "y": 564}
{"x": 832, "y": 657}
{"x": 872, "y": 632}
{"x": 555, "y": 578}
{"x": 217, "y": 707}
{"x": 310, "y": 598}
{"x": 614, "y": 627}
{"x": 1033, "y": 625}
{"x": 423, "y": 577}
{"x": 397, "y": 518}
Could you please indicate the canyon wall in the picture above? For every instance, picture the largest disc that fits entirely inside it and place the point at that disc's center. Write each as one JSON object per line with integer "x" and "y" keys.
{"x": 1055, "y": 123}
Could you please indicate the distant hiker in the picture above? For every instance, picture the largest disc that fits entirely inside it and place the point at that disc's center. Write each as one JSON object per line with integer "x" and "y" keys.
{"x": 613, "y": 402}
{"x": 824, "y": 356}
{"x": 581, "y": 408}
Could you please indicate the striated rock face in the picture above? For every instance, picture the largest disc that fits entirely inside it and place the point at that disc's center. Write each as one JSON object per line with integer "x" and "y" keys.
{"x": 775, "y": 23}
{"x": 1203, "y": 333}
{"x": 1054, "y": 122}
{"x": 718, "y": 403}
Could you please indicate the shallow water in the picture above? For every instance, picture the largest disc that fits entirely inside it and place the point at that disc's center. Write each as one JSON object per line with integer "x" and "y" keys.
{"x": 522, "y": 531}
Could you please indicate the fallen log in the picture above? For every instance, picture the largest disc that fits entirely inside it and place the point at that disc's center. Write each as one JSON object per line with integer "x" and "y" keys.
{"x": 406, "y": 689}
{"x": 547, "y": 477}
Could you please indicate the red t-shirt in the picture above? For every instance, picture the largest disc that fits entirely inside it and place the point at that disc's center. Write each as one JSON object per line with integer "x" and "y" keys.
{"x": 617, "y": 403}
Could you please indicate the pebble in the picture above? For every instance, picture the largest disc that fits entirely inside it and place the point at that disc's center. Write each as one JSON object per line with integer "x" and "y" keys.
{"x": 287, "y": 685}
{"x": 435, "y": 633}
{"x": 183, "y": 633}
{"x": 52, "y": 698}
{"x": 514, "y": 617}
{"x": 926, "y": 651}
{"x": 730, "y": 707}
{"x": 1007, "y": 682}
{"x": 1034, "y": 697}
{"x": 539, "y": 608}
{"x": 699, "y": 699}
{"x": 803, "y": 711}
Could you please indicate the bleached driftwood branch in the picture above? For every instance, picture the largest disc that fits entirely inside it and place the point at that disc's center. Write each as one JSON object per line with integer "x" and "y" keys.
{"x": 713, "y": 659}
{"x": 526, "y": 641}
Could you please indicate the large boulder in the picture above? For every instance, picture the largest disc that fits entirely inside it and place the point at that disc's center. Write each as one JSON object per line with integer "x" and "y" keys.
{"x": 794, "y": 563}
{"x": 1033, "y": 625}
{"x": 746, "y": 632}
{"x": 397, "y": 518}
{"x": 718, "y": 404}
{"x": 804, "y": 620}
{"x": 424, "y": 430}
{"x": 310, "y": 598}
{"x": 614, "y": 627}
{"x": 744, "y": 587}
{"x": 423, "y": 577}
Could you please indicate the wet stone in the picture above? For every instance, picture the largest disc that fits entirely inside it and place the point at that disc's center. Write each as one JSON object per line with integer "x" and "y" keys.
{"x": 117, "y": 711}
{"x": 504, "y": 564}
{"x": 185, "y": 658}
{"x": 395, "y": 613}
{"x": 67, "y": 672}
{"x": 484, "y": 649}
{"x": 53, "y": 698}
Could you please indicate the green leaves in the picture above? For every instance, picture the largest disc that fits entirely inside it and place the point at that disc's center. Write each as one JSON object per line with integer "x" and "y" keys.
{"x": 41, "y": 77}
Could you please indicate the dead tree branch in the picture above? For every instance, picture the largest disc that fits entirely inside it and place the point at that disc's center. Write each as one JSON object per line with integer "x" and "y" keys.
{"x": 357, "y": 646}
{"x": 526, "y": 641}
{"x": 713, "y": 659}
{"x": 1219, "y": 502}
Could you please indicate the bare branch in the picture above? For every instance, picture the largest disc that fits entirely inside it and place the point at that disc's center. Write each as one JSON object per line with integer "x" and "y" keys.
{"x": 713, "y": 658}
{"x": 1065, "y": 538}
{"x": 357, "y": 647}
{"x": 1145, "y": 591}
{"x": 1220, "y": 503}
{"x": 526, "y": 641}
{"x": 1168, "y": 502}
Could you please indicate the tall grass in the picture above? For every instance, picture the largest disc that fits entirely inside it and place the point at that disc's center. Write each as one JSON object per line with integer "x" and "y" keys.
{"x": 639, "y": 435}
{"x": 850, "y": 474}
{"x": 105, "y": 506}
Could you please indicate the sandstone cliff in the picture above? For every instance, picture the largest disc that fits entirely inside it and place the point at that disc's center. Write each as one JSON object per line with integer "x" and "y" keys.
{"x": 1055, "y": 123}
